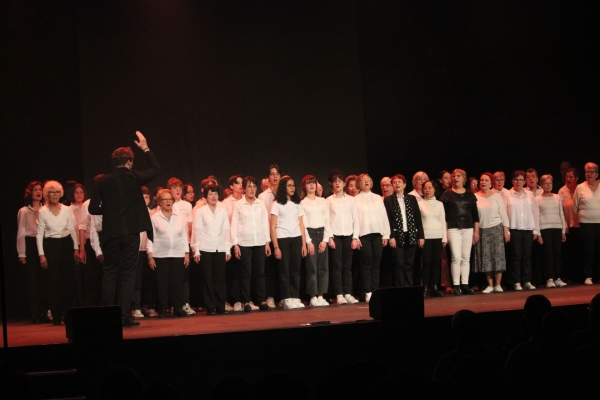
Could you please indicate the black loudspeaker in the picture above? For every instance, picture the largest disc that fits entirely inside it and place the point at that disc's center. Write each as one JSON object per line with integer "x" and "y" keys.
{"x": 397, "y": 304}
{"x": 89, "y": 325}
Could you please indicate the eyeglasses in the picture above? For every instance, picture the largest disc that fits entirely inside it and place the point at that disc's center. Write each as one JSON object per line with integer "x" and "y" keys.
{"x": 386, "y": 185}
{"x": 53, "y": 193}
{"x": 292, "y": 185}
{"x": 519, "y": 180}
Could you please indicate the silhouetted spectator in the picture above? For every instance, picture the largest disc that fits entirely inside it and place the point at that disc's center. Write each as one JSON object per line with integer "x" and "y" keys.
{"x": 592, "y": 334}
{"x": 231, "y": 387}
{"x": 536, "y": 306}
{"x": 121, "y": 383}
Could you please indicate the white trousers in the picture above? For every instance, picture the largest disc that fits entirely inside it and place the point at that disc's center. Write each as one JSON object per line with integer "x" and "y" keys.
{"x": 460, "y": 241}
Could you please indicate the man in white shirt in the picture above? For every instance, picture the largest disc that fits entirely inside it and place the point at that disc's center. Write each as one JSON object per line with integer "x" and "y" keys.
{"x": 233, "y": 266}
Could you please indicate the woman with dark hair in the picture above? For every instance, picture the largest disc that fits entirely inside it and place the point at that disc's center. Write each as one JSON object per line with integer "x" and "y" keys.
{"x": 28, "y": 253}
{"x": 57, "y": 248}
{"x": 318, "y": 232}
{"x": 289, "y": 241}
{"x": 250, "y": 236}
{"x": 77, "y": 197}
{"x": 490, "y": 257}
{"x": 443, "y": 183}
{"x": 462, "y": 218}
{"x": 188, "y": 193}
{"x": 374, "y": 234}
{"x": 212, "y": 245}
{"x": 434, "y": 231}
{"x": 154, "y": 206}
{"x": 473, "y": 184}
{"x": 352, "y": 185}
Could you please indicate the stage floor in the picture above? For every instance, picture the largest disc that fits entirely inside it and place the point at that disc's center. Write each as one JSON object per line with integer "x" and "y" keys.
{"x": 27, "y": 334}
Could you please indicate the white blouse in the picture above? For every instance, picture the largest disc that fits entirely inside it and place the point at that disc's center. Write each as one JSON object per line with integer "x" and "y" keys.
{"x": 211, "y": 231}
{"x": 522, "y": 212}
{"x": 170, "y": 236}
{"x": 343, "y": 216}
{"x": 492, "y": 211}
{"x": 26, "y": 227}
{"x": 586, "y": 204}
{"x": 288, "y": 223}
{"x": 316, "y": 215}
{"x": 55, "y": 226}
{"x": 434, "y": 219}
{"x": 372, "y": 215}
{"x": 250, "y": 224}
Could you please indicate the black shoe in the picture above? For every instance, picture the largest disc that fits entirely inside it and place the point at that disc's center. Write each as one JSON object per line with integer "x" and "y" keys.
{"x": 466, "y": 289}
{"x": 180, "y": 313}
{"x": 425, "y": 293}
{"x": 456, "y": 290}
{"x": 434, "y": 292}
{"x": 264, "y": 307}
{"x": 247, "y": 308}
{"x": 162, "y": 315}
{"x": 211, "y": 312}
{"x": 129, "y": 322}
{"x": 222, "y": 312}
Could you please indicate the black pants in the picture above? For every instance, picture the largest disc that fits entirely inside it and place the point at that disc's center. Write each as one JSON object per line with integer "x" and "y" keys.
{"x": 590, "y": 237}
{"x": 169, "y": 282}
{"x": 317, "y": 265}
{"x": 370, "y": 256}
{"x": 272, "y": 275}
{"x": 572, "y": 259}
{"x": 139, "y": 280}
{"x": 79, "y": 289}
{"x": 212, "y": 266}
{"x": 386, "y": 267}
{"x": 59, "y": 254}
{"x": 520, "y": 256}
{"x": 341, "y": 267}
{"x": 252, "y": 270}
{"x": 551, "y": 248}
{"x": 36, "y": 280}
{"x": 404, "y": 259}
{"x": 289, "y": 266}
{"x": 120, "y": 261}
{"x": 93, "y": 277}
{"x": 232, "y": 278}
{"x": 432, "y": 262}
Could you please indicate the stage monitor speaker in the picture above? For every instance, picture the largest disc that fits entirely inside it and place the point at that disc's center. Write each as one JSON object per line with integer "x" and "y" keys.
{"x": 89, "y": 325}
{"x": 397, "y": 304}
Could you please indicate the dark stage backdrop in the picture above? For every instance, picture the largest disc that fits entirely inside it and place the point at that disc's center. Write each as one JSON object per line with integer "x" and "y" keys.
{"x": 223, "y": 87}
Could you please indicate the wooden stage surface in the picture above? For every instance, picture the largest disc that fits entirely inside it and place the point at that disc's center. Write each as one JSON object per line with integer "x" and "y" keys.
{"x": 27, "y": 334}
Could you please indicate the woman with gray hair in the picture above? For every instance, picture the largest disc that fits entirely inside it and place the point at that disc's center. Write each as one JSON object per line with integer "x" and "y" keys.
{"x": 57, "y": 247}
{"x": 586, "y": 205}
{"x": 417, "y": 181}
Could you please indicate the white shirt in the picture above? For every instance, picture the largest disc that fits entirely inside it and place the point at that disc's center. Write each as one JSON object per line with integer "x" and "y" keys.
{"x": 211, "y": 231}
{"x": 184, "y": 210}
{"x": 586, "y": 204}
{"x": 343, "y": 216}
{"x": 170, "y": 236}
{"x": 402, "y": 205}
{"x": 316, "y": 215}
{"x": 288, "y": 223}
{"x": 567, "y": 198}
{"x": 92, "y": 224}
{"x": 55, "y": 226}
{"x": 417, "y": 195}
{"x": 551, "y": 215}
{"x": 250, "y": 223}
{"x": 371, "y": 215}
{"x": 267, "y": 197}
{"x": 522, "y": 212}
{"x": 229, "y": 204}
{"x": 538, "y": 190}
{"x": 77, "y": 212}
{"x": 434, "y": 219}
{"x": 492, "y": 211}
{"x": 26, "y": 227}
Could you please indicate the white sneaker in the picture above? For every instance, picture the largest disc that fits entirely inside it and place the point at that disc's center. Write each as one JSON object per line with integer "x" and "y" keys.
{"x": 271, "y": 302}
{"x": 528, "y": 286}
{"x": 559, "y": 283}
{"x": 49, "y": 315}
{"x": 188, "y": 310}
{"x": 152, "y": 313}
{"x": 322, "y": 301}
{"x": 237, "y": 307}
{"x": 488, "y": 290}
{"x": 498, "y": 289}
{"x": 368, "y": 296}
{"x": 341, "y": 300}
{"x": 253, "y": 307}
{"x": 350, "y": 299}
{"x": 588, "y": 281}
{"x": 289, "y": 304}
{"x": 299, "y": 303}
{"x": 314, "y": 302}
{"x": 518, "y": 286}
{"x": 550, "y": 283}
{"x": 228, "y": 307}
{"x": 137, "y": 314}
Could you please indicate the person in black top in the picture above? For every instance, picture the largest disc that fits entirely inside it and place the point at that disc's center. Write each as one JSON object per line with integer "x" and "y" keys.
{"x": 462, "y": 218}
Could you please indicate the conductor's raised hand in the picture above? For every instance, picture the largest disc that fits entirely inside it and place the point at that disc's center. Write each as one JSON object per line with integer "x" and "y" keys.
{"x": 142, "y": 143}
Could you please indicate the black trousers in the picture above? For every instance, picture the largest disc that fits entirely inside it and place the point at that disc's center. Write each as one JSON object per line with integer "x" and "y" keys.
{"x": 93, "y": 277}
{"x": 520, "y": 255}
{"x": 432, "y": 262}
{"x": 272, "y": 275}
{"x": 317, "y": 265}
{"x": 370, "y": 256}
{"x": 252, "y": 270}
{"x": 120, "y": 261}
{"x": 289, "y": 266}
{"x": 404, "y": 259}
{"x": 551, "y": 249}
{"x": 572, "y": 259}
{"x": 386, "y": 267}
{"x": 169, "y": 282}
{"x": 212, "y": 266}
{"x": 139, "y": 280}
{"x": 590, "y": 237}
{"x": 36, "y": 280}
{"x": 60, "y": 278}
{"x": 232, "y": 278}
{"x": 341, "y": 267}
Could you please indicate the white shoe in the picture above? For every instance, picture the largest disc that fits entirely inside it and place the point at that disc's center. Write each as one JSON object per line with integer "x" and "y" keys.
{"x": 228, "y": 307}
{"x": 137, "y": 314}
{"x": 299, "y": 303}
{"x": 368, "y": 296}
{"x": 289, "y": 304}
{"x": 271, "y": 302}
{"x": 528, "y": 286}
{"x": 550, "y": 283}
{"x": 253, "y": 307}
{"x": 237, "y": 307}
{"x": 314, "y": 302}
{"x": 341, "y": 300}
{"x": 322, "y": 301}
{"x": 488, "y": 290}
{"x": 49, "y": 315}
{"x": 188, "y": 310}
{"x": 588, "y": 281}
{"x": 498, "y": 289}
{"x": 350, "y": 299}
{"x": 559, "y": 283}
{"x": 518, "y": 286}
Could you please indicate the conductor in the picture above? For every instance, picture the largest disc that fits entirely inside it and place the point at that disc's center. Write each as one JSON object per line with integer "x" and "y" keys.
{"x": 118, "y": 198}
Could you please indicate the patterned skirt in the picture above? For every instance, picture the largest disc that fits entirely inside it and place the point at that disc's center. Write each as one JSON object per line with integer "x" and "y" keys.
{"x": 489, "y": 251}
